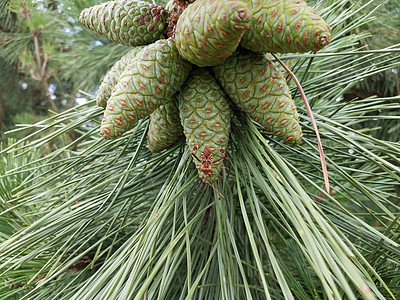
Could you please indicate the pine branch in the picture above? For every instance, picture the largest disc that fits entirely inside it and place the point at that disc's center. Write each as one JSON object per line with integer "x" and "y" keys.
{"x": 111, "y": 220}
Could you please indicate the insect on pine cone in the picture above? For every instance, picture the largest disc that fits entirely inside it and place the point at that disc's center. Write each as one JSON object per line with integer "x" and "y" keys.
{"x": 206, "y": 161}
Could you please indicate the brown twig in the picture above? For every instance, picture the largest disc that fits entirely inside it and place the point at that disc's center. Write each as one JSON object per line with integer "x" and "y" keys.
{"x": 41, "y": 66}
{"x": 310, "y": 113}
{"x": 33, "y": 75}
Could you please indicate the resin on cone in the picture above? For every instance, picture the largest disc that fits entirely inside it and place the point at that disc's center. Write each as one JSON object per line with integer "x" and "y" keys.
{"x": 283, "y": 26}
{"x": 127, "y": 22}
{"x": 111, "y": 78}
{"x": 205, "y": 117}
{"x": 257, "y": 87}
{"x": 152, "y": 78}
{"x": 209, "y": 31}
{"x": 165, "y": 127}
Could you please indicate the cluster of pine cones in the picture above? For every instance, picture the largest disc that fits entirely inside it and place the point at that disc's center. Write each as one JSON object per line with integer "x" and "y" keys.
{"x": 190, "y": 62}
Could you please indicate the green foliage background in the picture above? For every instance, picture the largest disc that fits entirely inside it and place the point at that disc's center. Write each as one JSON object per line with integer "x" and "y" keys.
{"x": 61, "y": 38}
{"x": 96, "y": 219}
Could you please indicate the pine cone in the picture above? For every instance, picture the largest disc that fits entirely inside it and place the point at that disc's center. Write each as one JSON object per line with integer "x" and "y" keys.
{"x": 283, "y": 26}
{"x": 256, "y": 85}
{"x": 209, "y": 31}
{"x": 152, "y": 78}
{"x": 129, "y": 22}
{"x": 111, "y": 78}
{"x": 205, "y": 117}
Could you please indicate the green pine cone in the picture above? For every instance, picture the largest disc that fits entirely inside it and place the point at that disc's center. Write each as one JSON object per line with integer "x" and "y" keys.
{"x": 283, "y": 26}
{"x": 209, "y": 31}
{"x": 257, "y": 87}
{"x": 165, "y": 127}
{"x": 152, "y": 78}
{"x": 128, "y": 22}
{"x": 111, "y": 78}
{"x": 205, "y": 117}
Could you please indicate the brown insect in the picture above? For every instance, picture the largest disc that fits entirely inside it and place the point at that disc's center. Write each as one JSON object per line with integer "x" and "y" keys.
{"x": 207, "y": 162}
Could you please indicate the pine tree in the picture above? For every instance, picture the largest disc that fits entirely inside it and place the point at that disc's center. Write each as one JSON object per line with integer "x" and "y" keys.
{"x": 108, "y": 219}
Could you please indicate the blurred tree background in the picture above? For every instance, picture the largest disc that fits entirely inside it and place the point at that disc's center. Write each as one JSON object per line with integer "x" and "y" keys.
{"x": 109, "y": 220}
{"x": 46, "y": 57}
